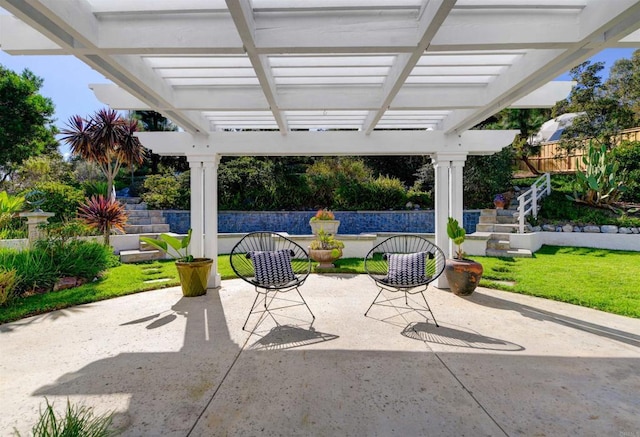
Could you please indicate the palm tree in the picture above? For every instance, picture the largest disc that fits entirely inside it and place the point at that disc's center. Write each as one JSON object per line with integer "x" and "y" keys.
{"x": 106, "y": 139}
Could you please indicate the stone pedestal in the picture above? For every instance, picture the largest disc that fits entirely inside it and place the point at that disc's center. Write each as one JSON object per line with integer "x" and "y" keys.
{"x": 34, "y": 220}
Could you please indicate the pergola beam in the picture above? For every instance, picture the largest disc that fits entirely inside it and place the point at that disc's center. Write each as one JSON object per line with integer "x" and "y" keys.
{"x": 334, "y": 143}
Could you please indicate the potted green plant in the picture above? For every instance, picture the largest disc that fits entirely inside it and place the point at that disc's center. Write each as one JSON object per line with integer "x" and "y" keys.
{"x": 193, "y": 272}
{"x": 463, "y": 274}
{"x": 325, "y": 249}
{"x": 324, "y": 219}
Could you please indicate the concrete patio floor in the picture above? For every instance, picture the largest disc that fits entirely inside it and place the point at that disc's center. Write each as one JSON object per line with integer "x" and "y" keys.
{"x": 500, "y": 364}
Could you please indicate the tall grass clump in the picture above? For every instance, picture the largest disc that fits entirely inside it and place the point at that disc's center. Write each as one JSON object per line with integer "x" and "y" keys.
{"x": 7, "y": 285}
{"x": 77, "y": 421}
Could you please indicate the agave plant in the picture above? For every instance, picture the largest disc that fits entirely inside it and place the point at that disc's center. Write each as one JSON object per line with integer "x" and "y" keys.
{"x": 103, "y": 214}
{"x": 9, "y": 206}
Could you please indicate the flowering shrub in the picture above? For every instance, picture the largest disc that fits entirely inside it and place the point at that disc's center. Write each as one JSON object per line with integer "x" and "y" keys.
{"x": 324, "y": 214}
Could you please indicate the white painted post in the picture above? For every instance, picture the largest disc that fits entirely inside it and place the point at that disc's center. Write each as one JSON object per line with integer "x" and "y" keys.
{"x": 441, "y": 168}
{"x": 211, "y": 216}
{"x": 456, "y": 193}
{"x": 548, "y": 177}
{"x": 534, "y": 200}
{"x": 197, "y": 207}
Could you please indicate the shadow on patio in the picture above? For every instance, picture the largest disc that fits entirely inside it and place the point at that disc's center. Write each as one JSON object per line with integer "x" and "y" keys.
{"x": 176, "y": 366}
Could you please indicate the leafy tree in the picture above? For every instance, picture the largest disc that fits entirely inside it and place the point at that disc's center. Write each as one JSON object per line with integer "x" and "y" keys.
{"x": 40, "y": 169}
{"x": 246, "y": 183}
{"x": 25, "y": 120}
{"x": 624, "y": 83}
{"x": 399, "y": 167}
{"x": 106, "y": 139}
{"x": 603, "y": 114}
{"x": 528, "y": 121}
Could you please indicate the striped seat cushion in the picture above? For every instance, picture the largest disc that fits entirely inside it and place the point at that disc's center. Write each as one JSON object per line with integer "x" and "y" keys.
{"x": 406, "y": 268}
{"x": 273, "y": 268}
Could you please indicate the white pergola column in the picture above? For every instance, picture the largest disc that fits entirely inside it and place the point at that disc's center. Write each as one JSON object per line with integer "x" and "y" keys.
{"x": 210, "y": 165}
{"x": 448, "y": 200}
{"x": 197, "y": 206}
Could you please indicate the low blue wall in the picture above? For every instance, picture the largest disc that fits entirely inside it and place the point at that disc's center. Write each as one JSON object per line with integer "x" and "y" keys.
{"x": 297, "y": 222}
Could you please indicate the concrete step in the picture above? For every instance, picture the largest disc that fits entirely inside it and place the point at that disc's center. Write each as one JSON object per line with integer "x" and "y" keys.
{"x": 147, "y": 229}
{"x": 144, "y": 213}
{"x": 146, "y": 221}
{"x": 499, "y": 244}
{"x": 506, "y": 228}
{"x": 130, "y": 200}
{"x": 511, "y": 253}
{"x": 506, "y": 220}
{"x": 488, "y": 212}
{"x": 488, "y": 219}
{"x": 505, "y": 212}
{"x": 135, "y": 206}
{"x": 134, "y": 256}
{"x": 485, "y": 227}
{"x": 501, "y": 219}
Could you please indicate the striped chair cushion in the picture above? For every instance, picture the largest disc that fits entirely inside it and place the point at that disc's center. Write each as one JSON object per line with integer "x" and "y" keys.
{"x": 273, "y": 268}
{"x": 406, "y": 268}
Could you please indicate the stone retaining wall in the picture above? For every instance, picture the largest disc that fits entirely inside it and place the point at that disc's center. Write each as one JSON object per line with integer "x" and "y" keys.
{"x": 604, "y": 229}
{"x": 297, "y": 222}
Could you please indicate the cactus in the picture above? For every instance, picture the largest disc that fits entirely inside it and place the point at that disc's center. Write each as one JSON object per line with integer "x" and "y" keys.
{"x": 601, "y": 183}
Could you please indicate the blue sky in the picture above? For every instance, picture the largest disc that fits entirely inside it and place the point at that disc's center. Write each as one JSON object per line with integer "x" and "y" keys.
{"x": 66, "y": 79}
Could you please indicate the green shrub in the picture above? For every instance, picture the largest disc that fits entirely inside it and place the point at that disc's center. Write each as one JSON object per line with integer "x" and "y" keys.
{"x": 78, "y": 421}
{"x": 246, "y": 184}
{"x": 7, "y": 285}
{"x": 382, "y": 193}
{"x": 35, "y": 269}
{"x": 161, "y": 191}
{"x": 421, "y": 198}
{"x": 63, "y": 200}
{"x": 485, "y": 176}
{"x": 627, "y": 154}
{"x": 78, "y": 258}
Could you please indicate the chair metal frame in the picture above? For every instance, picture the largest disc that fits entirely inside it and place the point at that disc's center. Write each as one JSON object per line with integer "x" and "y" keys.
{"x": 240, "y": 259}
{"x": 376, "y": 266}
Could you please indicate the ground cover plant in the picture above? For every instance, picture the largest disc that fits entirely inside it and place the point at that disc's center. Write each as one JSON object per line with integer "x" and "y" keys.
{"x": 594, "y": 278}
{"x": 78, "y": 421}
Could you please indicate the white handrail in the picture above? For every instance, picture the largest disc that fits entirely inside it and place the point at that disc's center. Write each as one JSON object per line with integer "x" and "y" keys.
{"x": 529, "y": 200}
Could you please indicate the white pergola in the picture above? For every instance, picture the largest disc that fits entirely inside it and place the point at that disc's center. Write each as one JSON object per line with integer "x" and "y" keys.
{"x": 323, "y": 77}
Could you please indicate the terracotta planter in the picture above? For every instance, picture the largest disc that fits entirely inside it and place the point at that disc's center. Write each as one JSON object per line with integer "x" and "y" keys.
{"x": 329, "y": 226}
{"x": 325, "y": 257}
{"x": 499, "y": 204}
{"x": 463, "y": 275}
{"x": 194, "y": 276}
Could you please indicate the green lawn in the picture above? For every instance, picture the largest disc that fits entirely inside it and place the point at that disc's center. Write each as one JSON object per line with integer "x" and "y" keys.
{"x": 601, "y": 279}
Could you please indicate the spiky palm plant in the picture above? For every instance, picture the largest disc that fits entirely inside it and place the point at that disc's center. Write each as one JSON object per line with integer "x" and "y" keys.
{"x": 103, "y": 214}
{"x": 106, "y": 139}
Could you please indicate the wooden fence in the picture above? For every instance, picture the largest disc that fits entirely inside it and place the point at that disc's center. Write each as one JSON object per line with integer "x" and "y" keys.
{"x": 553, "y": 159}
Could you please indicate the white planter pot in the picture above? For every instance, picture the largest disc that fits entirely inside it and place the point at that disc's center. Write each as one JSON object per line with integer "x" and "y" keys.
{"x": 329, "y": 226}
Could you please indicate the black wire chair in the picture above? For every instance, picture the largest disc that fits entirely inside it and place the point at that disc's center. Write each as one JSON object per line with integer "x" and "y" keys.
{"x": 404, "y": 263}
{"x": 273, "y": 264}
